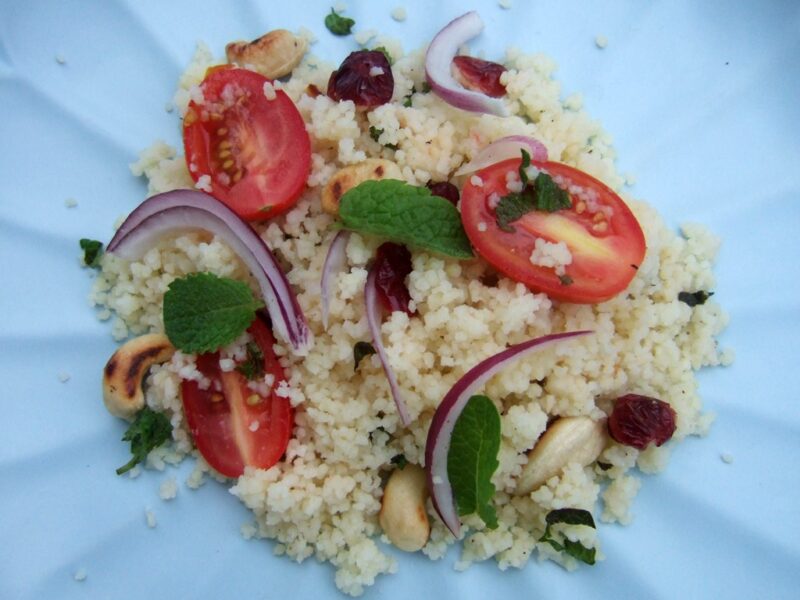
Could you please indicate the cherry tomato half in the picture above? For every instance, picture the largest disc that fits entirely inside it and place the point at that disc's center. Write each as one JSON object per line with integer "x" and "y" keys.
{"x": 603, "y": 236}
{"x": 256, "y": 151}
{"x": 222, "y": 419}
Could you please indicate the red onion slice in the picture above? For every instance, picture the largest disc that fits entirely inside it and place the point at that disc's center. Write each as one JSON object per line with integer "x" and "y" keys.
{"x": 444, "y": 419}
{"x": 503, "y": 149}
{"x": 185, "y": 210}
{"x": 438, "y": 61}
{"x": 374, "y": 323}
{"x": 335, "y": 261}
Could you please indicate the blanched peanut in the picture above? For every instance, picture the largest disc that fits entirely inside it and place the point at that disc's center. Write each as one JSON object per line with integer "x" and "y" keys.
{"x": 403, "y": 517}
{"x": 568, "y": 440}
{"x": 123, "y": 374}
{"x": 350, "y": 176}
{"x": 274, "y": 54}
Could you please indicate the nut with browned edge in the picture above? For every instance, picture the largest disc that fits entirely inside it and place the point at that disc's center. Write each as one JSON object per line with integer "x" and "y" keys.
{"x": 349, "y": 177}
{"x": 568, "y": 440}
{"x": 125, "y": 370}
{"x": 403, "y": 517}
{"x": 274, "y": 54}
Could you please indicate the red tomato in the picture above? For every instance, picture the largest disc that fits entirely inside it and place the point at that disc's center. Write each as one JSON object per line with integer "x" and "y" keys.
{"x": 255, "y": 150}
{"x": 221, "y": 418}
{"x": 605, "y": 239}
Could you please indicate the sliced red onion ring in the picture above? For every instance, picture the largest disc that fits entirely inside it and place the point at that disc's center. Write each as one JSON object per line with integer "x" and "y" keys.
{"x": 334, "y": 263}
{"x": 374, "y": 323}
{"x": 438, "y": 443}
{"x": 439, "y": 59}
{"x": 503, "y": 149}
{"x": 185, "y": 210}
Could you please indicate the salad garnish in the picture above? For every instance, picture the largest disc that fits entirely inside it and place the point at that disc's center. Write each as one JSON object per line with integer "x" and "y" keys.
{"x": 360, "y": 351}
{"x": 337, "y": 24}
{"x": 92, "y": 251}
{"x": 149, "y": 430}
{"x": 569, "y": 516}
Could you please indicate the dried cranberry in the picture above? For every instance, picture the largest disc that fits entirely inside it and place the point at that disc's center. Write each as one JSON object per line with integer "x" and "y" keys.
{"x": 358, "y": 79}
{"x": 445, "y": 190}
{"x": 480, "y": 75}
{"x": 638, "y": 420}
{"x": 392, "y": 266}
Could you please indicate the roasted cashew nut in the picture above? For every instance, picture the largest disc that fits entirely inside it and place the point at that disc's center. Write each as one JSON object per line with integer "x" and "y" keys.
{"x": 403, "y": 517}
{"x": 349, "y": 177}
{"x": 274, "y": 54}
{"x": 125, "y": 370}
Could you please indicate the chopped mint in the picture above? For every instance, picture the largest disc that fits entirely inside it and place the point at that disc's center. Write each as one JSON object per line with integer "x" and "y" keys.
{"x": 570, "y": 516}
{"x": 513, "y": 206}
{"x": 360, "y": 351}
{"x": 695, "y": 298}
{"x": 526, "y": 162}
{"x": 203, "y": 312}
{"x": 253, "y": 366}
{"x": 472, "y": 459}
{"x": 376, "y": 133}
{"x": 400, "y": 461}
{"x": 407, "y": 99}
{"x": 426, "y": 87}
{"x": 544, "y": 195}
{"x": 338, "y": 25}
{"x": 405, "y": 214}
{"x": 92, "y": 251}
{"x": 549, "y": 196}
{"x": 149, "y": 430}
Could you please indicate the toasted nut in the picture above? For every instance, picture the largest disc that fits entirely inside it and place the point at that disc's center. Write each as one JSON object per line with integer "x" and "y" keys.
{"x": 568, "y": 440}
{"x": 123, "y": 374}
{"x": 403, "y": 517}
{"x": 349, "y": 177}
{"x": 274, "y": 54}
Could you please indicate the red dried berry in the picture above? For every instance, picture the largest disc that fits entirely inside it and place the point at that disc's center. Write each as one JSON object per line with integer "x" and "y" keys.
{"x": 638, "y": 420}
{"x": 480, "y": 75}
{"x": 444, "y": 189}
{"x": 392, "y": 266}
{"x": 358, "y": 79}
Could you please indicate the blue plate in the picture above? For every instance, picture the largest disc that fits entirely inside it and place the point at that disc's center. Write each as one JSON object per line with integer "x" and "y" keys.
{"x": 703, "y": 99}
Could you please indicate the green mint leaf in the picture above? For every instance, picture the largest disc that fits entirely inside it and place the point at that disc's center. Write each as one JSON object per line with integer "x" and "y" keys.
{"x": 407, "y": 99}
{"x": 549, "y": 196}
{"x": 513, "y": 206}
{"x": 472, "y": 459}
{"x": 375, "y": 133}
{"x": 203, "y": 312}
{"x": 361, "y": 350}
{"x": 526, "y": 162}
{"x": 92, "y": 251}
{"x": 426, "y": 87}
{"x": 405, "y": 214}
{"x": 694, "y": 298}
{"x": 570, "y": 516}
{"x": 385, "y": 52}
{"x": 149, "y": 430}
{"x": 400, "y": 461}
{"x": 338, "y": 25}
{"x": 253, "y": 366}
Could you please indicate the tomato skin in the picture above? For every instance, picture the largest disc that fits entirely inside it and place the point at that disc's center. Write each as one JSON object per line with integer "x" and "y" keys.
{"x": 604, "y": 257}
{"x": 220, "y": 417}
{"x": 256, "y": 151}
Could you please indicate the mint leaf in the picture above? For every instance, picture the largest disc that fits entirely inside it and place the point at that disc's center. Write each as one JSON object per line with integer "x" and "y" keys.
{"x": 149, "y": 430}
{"x": 544, "y": 195}
{"x": 92, "y": 251}
{"x": 526, "y": 162}
{"x": 400, "y": 461}
{"x": 337, "y": 24}
{"x": 472, "y": 459}
{"x": 570, "y": 516}
{"x": 253, "y": 366}
{"x": 694, "y": 298}
{"x": 361, "y": 350}
{"x": 375, "y": 133}
{"x": 406, "y": 214}
{"x": 203, "y": 312}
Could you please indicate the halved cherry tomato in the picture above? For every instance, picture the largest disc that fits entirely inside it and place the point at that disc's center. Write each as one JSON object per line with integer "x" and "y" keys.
{"x": 222, "y": 418}
{"x": 603, "y": 236}
{"x": 255, "y": 150}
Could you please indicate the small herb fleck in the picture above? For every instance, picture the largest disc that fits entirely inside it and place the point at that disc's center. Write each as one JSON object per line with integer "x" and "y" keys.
{"x": 407, "y": 99}
{"x": 604, "y": 465}
{"x": 92, "y": 251}
{"x": 253, "y": 366}
{"x": 565, "y": 280}
{"x": 694, "y": 298}
{"x": 570, "y": 516}
{"x": 375, "y": 133}
{"x": 361, "y": 350}
{"x": 400, "y": 461}
{"x": 338, "y": 25}
{"x": 149, "y": 430}
{"x": 426, "y": 87}
{"x": 266, "y": 208}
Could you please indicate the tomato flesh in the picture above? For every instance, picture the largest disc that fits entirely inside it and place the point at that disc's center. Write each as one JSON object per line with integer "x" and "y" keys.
{"x": 256, "y": 151}
{"x": 222, "y": 419}
{"x": 602, "y": 234}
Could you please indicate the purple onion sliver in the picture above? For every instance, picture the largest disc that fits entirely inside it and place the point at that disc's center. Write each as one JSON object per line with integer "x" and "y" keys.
{"x": 439, "y": 58}
{"x": 335, "y": 261}
{"x": 373, "y": 321}
{"x": 186, "y": 210}
{"x": 437, "y": 445}
{"x": 504, "y": 149}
